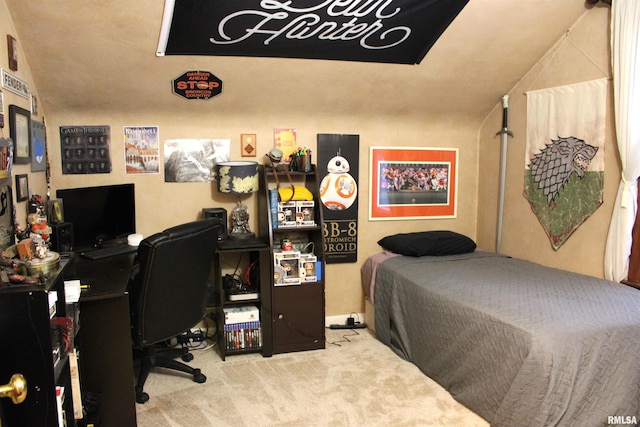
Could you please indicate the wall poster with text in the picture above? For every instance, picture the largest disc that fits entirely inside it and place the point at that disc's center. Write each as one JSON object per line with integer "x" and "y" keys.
{"x": 338, "y": 171}
{"x": 141, "y": 149}
{"x": 85, "y": 149}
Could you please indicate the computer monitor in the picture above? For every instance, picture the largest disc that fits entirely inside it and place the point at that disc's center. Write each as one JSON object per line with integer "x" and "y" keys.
{"x": 99, "y": 213}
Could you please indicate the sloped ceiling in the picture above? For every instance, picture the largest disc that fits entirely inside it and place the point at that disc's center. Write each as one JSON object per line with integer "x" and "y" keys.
{"x": 100, "y": 55}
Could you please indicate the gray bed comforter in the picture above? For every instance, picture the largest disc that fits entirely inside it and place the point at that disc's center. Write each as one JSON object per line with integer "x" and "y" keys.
{"x": 518, "y": 343}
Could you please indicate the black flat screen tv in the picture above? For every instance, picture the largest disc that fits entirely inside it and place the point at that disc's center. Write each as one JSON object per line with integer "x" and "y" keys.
{"x": 100, "y": 213}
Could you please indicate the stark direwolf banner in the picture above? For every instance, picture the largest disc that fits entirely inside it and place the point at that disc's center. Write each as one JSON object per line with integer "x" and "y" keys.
{"x": 392, "y": 31}
{"x": 338, "y": 171}
{"x": 564, "y": 172}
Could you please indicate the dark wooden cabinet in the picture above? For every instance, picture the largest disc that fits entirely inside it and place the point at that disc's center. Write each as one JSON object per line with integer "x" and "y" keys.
{"x": 33, "y": 347}
{"x": 298, "y": 317}
{"x": 297, "y": 309}
{"x": 100, "y": 333}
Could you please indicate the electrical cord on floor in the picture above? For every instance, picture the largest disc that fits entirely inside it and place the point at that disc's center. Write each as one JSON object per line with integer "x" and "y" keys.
{"x": 207, "y": 341}
{"x": 196, "y": 338}
{"x": 344, "y": 338}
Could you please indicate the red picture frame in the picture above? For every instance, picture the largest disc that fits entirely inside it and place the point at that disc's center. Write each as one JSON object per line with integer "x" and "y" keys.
{"x": 412, "y": 183}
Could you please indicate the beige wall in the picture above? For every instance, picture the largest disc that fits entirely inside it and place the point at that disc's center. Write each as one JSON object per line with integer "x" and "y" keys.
{"x": 582, "y": 56}
{"x": 38, "y": 180}
{"x": 160, "y": 204}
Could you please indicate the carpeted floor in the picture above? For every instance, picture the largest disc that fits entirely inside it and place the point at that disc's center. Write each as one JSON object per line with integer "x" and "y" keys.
{"x": 358, "y": 382}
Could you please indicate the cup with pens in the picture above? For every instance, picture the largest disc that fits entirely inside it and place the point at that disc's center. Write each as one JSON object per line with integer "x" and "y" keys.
{"x": 301, "y": 160}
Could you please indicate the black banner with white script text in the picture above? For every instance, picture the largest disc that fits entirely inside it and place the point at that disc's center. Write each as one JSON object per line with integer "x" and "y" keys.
{"x": 389, "y": 31}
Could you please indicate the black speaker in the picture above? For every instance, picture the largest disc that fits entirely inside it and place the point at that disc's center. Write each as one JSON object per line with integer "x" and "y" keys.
{"x": 217, "y": 213}
{"x": 62, "y": 237}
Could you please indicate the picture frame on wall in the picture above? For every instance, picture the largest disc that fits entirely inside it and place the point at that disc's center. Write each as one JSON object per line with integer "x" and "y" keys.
{"x": 6, "y": 157}
{"x": 12, "y": 52}
{"x": 412, "y": 183}
{"x": 20, "y": 130}
{"x": 249, "y": 144}
{"x": 7, "y": 229}
{"x": 34, "y": 105}
{"x": 55, "y": 211}
{"x": 7, "y": 232}
{"x": 38, "y": 146}
{"x": 22, "y": 187}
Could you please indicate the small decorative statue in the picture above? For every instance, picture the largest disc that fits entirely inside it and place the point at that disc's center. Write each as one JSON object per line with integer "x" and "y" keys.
{"x": 240, "y": 221}
{"x": 39, "y": 226}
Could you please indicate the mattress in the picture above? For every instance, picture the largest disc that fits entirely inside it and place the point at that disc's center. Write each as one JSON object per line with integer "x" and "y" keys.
{"x": 516, "y": 342}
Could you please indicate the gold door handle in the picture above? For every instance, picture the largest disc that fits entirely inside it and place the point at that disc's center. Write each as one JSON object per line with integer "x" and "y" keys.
{"x": 16, "y": 389}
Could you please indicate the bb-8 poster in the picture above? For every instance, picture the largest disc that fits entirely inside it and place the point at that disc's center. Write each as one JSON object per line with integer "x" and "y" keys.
{"x": 337, "y": 164}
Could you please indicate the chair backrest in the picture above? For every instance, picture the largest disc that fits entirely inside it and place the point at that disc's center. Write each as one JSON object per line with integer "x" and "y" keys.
{"x": 167, "y": 293}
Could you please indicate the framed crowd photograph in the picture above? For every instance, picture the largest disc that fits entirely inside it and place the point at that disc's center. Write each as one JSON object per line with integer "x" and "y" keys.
{"x": 412, "y": 183}
{"x": 22, "y": 187}
{"x": 20, "y": 129}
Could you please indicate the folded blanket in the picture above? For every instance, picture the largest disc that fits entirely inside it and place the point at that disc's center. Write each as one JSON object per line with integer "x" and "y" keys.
{"x": 368, "y": 272}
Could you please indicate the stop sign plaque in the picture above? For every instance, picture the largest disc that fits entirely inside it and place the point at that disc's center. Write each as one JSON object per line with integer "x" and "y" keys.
{"x": 197, "y": 85}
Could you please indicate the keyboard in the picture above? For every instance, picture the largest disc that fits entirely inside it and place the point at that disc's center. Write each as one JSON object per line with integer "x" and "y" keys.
{"x": 109, "y": 251}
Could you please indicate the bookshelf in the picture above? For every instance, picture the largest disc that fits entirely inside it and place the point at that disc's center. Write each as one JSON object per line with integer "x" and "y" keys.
{"x": 297, "y": 272}
{"x": 243, "y": 321}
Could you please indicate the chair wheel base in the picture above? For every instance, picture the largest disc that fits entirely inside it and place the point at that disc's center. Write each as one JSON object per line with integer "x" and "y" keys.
{"x": 142, "y": 397}
{"x": 198, "y": 376}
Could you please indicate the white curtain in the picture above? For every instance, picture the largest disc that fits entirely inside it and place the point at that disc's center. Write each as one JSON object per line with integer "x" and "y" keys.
{"x": 625, "y": 60}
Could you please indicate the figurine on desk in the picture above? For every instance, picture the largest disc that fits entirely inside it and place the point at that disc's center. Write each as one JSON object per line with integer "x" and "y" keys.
{"x": 29, "y": 260}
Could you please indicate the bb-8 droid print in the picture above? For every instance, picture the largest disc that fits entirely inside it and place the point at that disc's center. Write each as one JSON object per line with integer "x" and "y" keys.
{"x": 338, "y": 189}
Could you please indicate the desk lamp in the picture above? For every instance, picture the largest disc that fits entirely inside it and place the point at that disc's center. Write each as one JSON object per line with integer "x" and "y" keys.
{"x": 239, "y": 177}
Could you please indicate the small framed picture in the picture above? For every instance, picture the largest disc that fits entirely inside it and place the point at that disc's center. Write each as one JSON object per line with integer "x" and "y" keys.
{"x": 12, "y": 50}
{"x": 34, "y": 105}
{"x": 20, "y": 129}
{"x": 55, "y": 212}
{"x": 22, "y": 187}
{"x": 249, "y": 144}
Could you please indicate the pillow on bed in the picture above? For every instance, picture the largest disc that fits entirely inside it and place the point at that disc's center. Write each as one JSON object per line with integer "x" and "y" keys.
{"x": 428, "y": 243}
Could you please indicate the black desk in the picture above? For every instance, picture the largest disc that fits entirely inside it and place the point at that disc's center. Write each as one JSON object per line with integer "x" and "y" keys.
{"x": 106, "y": 362}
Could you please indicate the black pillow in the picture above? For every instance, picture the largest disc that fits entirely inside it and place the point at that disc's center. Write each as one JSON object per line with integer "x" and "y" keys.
{"x": 423, "y": 243}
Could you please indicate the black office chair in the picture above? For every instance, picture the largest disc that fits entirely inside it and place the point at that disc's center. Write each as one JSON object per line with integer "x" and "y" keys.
{"x": 168, "y": 293}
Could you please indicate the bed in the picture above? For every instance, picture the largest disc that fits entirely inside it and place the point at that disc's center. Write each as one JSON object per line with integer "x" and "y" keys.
{"x": 516, "y": 342}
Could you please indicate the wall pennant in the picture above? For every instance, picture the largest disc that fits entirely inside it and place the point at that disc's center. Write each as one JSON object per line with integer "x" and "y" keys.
{"x": 564, "y": 163}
